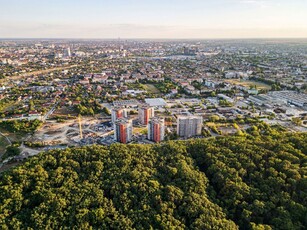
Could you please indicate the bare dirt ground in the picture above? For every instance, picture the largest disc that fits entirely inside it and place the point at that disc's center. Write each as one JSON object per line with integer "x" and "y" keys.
{"x": 67, "y": 132}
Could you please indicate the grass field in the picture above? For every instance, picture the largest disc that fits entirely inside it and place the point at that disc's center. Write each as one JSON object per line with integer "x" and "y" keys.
{"x": 151, "y": 89}
{"x": 248, "y": 83}
{"x": 64, "y": 111}
{"x": 141, "y": 130}
{"x": 3, "y": 144}
{"x": 14, "y": 137}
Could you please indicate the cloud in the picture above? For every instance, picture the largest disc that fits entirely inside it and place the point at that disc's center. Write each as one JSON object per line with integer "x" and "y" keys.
{"x": 259, "y": 3}
{"x": 44, "y": 30}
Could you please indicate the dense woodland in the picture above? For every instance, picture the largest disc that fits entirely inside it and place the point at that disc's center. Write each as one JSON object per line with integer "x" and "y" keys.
{"x": 254, "y": 181}
{"x": 21, "y": 126}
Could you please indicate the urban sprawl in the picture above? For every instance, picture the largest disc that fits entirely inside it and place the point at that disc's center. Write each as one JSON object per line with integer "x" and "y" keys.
{"x": 62, "y": 93}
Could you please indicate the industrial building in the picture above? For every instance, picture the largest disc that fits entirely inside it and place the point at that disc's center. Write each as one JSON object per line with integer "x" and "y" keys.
{"x": 291, "y": 97}
{"x": 156, "y": 102}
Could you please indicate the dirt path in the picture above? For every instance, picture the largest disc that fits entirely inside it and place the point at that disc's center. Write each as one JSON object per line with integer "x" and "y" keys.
{"x": 7, "y": 139}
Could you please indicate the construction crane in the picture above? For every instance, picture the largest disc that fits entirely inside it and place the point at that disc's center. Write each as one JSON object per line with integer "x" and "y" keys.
{"x": 80, "y": 127}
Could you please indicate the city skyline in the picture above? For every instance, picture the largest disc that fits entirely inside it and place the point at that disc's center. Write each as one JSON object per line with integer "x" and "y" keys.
{"x": 170, "y": 19}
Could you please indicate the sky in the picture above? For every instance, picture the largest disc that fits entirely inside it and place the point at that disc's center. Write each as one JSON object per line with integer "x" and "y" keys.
{"x": 180, "y": 19}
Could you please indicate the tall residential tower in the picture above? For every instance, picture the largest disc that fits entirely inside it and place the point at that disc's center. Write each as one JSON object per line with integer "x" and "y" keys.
{"x": 156, "y": 129}
{"x": 118, "y": 112}
{"x": 145, "y": 113}
{"x": 123, "y": 130}
{"x": 189, "y": 126}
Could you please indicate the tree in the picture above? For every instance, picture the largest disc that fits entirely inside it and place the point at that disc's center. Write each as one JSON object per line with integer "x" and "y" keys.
{"x": 214, "y": 118}
{"x": 31, "y": 105}
{"x": 11, "y": 151}
{"x": 106, "y": 111}
{"x": 228, "y": 182}
{"x": 297, "y": 121}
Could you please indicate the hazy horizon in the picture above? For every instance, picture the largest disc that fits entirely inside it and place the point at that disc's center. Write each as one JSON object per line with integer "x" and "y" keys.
{"x": 169, "y": 19}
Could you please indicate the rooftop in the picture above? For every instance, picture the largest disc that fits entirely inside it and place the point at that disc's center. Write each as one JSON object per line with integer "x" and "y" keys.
{"x": 156, "y": 102}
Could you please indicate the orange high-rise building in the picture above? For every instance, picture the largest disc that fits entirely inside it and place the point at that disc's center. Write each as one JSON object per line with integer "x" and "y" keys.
{"x": 123, "y": 130}
{"x": 156, "y": 129}
{"x": 145, "y": 113}
{"x": 118, "y": 112}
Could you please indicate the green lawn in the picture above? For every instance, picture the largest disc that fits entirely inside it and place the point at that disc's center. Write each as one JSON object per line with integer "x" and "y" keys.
{"x": 151, "y": 89}
{"x": 142, "y": 130}
{"x": 248, "y": 83}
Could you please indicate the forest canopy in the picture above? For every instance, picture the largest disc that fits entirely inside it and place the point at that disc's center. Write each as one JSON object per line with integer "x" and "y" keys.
{"x": 239, "y": 182}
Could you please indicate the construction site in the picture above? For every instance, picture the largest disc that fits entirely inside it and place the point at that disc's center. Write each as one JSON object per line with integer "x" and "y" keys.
{"x": 83, "y": 130}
